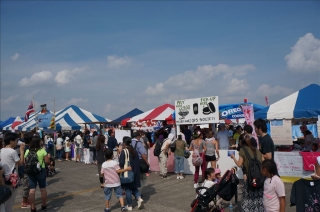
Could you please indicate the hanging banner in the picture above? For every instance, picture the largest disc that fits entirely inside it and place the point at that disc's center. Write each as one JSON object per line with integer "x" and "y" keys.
{"x": 44, "y": 119}
{"x": 197, "y": 111}
{"x": 248, "y": 112}
{"x": 281, "y": 132}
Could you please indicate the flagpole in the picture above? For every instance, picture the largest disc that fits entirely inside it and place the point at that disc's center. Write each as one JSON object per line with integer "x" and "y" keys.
{"x": 54, "y": 112}
{"x": 36, "y": 118}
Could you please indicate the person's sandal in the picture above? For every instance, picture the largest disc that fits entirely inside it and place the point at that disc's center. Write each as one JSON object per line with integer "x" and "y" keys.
{"x": 33, "y": 210}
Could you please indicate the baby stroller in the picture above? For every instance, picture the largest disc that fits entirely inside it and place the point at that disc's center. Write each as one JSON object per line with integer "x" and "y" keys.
{"x": 226, "y": 189}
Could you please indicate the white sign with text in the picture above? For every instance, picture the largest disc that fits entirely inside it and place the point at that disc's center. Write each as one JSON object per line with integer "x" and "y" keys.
{"x": 203, "y": 110}
{"x": 281, "y": 132}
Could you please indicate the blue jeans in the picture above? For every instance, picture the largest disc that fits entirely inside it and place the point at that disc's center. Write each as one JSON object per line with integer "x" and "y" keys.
{"x": 129, "y": 193}
{"x": 108, "y": 192}
{"x": 59, "y": 154}
{"x": 178, "y": 164}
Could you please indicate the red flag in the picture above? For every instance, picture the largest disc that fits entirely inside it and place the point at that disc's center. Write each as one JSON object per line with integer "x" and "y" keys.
{"x": 267, "y": 100}
{"x": 29, "y": 111}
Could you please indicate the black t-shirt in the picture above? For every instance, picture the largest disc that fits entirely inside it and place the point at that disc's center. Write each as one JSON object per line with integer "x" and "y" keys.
{"x": 112, "y": 143}
{"x": 305, "y": 194}
{"x": 267, "y": 145}
{"x": 85, "y": 141}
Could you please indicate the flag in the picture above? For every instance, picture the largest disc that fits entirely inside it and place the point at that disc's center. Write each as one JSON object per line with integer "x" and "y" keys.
{"x": 267, "y": 100}
{"x": 29, "y": 111}
{"x": 52, "y": 122}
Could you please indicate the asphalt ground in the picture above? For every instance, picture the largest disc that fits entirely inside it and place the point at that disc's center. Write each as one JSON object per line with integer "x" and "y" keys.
{"x": 76, "y": 187}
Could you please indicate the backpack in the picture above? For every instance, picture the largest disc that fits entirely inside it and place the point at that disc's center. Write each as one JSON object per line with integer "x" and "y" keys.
{"x": 32, "y": 165}
{"x": 50, "y": 143}
{"x": 255, "y": 178}
{"x": 157, "y": 149}
{"x": 227, "y": 186}
{"x": 172, "y": 146}
{"x": 196, "y": 158}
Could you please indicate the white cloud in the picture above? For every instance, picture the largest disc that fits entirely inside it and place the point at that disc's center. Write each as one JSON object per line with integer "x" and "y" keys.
{"x": 117, "y": 62}
{"x": 75, "y": 101}
{"x": 9, "y": 99}
{"x": 157, "y": 89}
{"x": 304, "y": 55}
{"x": 107, "y": 109}
{"x": 267, "y": 90}
{"x": 237, "y": 86}
{"x": 202, "y": 77}
{"x": 36, "y": 79}
{"x": 66, "y": 76}
{"x": 15, "y": 57}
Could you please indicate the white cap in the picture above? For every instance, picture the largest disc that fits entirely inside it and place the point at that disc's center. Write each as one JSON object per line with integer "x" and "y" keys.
{"x": 67, "y": 138}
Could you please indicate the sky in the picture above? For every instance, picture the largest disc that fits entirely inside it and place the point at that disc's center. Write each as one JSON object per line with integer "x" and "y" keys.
{"x": 109, "y": 57}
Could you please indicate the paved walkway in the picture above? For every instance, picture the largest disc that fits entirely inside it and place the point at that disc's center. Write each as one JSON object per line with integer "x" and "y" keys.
{"x": 76, "y": 187}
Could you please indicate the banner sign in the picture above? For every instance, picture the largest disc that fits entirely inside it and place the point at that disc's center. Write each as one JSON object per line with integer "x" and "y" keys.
{"x": 203, "y": 110}
{"x": 247, "y": 110}
{"x": 290, "y": 164}
{"x": 44, "y": 119}
{"x": 231, "y": 112}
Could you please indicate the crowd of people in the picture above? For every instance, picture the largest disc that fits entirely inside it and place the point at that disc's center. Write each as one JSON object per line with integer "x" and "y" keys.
{"x": 123, "y": 166}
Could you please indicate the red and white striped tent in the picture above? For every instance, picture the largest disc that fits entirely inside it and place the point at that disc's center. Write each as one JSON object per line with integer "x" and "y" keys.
{"x": 152, "y": 119}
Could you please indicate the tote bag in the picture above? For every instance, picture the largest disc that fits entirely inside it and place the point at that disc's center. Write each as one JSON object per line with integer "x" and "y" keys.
{"x": 128, "y": 176}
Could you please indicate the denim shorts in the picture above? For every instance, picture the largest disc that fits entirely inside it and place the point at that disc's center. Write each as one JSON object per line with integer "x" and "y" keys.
{"x": 108, "y": 192}
{"x": 38, "y": 179}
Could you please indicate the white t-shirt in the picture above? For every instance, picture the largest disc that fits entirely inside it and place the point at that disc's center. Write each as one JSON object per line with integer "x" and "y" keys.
{"x": 273, "y": 189}
{"x": 9, "y": 157}
{"x": 79, "y": 140}
{"x": 207, "y": 184}
{"x": 309, "y": 138}
{"x": 109, "y": 169}
{"x": 223, "y": 138}
{"x": 59, "y": 141}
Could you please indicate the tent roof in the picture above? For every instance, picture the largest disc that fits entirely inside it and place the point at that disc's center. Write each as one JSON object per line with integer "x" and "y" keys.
{"x": 304, "y": 103}
{"x": 256, "y": 107}
{"x": 130, "y": 114}
{"x": 69, "y": 118}
{"x": 9, "y": 121}
{"x": 159, "y": 113}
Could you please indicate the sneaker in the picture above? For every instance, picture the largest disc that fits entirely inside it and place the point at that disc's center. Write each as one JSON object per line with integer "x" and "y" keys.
{"x": 25, "y": 205}
{"x": 106, "y": 210}
{"x": 129, "y": 208}
{"x": 178, "y": 177}
{"x": 165, "y": 177}
{"x": 140, "y": 201}
{"x": 43, "y": 208}
{"x": 195, "y": 185}
{"x": 124, "y": 209}
{"x": 181, "y": 177}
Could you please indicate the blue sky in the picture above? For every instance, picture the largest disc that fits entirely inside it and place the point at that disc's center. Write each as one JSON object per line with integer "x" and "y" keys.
{"x": 110, "y": 57}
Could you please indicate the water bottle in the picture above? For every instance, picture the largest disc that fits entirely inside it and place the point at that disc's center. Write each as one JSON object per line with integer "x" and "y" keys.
{"x": 230, "y": 207}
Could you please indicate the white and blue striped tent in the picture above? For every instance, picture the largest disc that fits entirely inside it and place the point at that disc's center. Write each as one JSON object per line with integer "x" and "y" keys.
{"x": 303, "y": 104}
{"x": 69, "y": 118}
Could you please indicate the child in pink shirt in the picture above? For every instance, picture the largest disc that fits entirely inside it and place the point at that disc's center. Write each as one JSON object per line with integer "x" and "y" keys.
{"x": 110, "y": 170}
{"x": 274, "y": 192}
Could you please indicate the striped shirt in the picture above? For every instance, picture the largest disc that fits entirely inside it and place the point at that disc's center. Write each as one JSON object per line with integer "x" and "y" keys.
{"x": 109, "y": 170}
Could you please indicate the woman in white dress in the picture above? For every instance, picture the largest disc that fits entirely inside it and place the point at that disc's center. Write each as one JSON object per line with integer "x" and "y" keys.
{"x": 67, "y": 148}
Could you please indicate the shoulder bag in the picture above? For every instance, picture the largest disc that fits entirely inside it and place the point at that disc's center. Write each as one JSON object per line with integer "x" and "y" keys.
{"x": 144, "y": 167}
{"x": 128, "y": 176}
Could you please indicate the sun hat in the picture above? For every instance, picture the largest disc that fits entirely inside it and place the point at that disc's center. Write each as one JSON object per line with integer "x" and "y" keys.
{"x": 217, "y": 171}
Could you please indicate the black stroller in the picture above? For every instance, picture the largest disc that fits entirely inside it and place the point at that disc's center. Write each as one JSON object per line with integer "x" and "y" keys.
{"x": 226, "y": 189}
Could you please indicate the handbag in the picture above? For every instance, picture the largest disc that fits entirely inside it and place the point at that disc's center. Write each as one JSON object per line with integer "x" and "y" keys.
{"x": 5, "y": 194}
{"x": 197, "y": 160}
{"x": 144, "y": 167}
{"x": 128, "y": 176}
